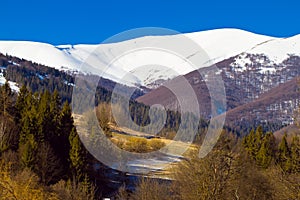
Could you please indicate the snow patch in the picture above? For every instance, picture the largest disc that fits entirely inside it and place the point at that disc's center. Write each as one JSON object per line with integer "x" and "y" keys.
{"x": 265, "y": 70}
{"x": 13, "y": 85}
{"x": 279, "y": 50}
{"x": 241, "y": 62}
{"x": 11, "y": 62}
{"x": 41, "y": 77}
{"x": 68, "y": 83}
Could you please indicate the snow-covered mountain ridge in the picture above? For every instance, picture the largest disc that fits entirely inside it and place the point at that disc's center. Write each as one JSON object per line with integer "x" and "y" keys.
{"x": 218, "y": 44}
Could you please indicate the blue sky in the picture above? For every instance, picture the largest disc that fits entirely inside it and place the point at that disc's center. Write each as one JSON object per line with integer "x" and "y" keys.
{"x": 74, "y": 22}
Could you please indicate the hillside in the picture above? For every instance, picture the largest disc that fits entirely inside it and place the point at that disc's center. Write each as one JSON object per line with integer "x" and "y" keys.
{"x": 272, "y": 109}
{"x": 218, "y": 44}
{"x": 244, "y": 84}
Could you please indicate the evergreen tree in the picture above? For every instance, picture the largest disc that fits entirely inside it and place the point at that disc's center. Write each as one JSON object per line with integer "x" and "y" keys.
{"x": 249, "y": 144}
{"x": 66, "y": 118}
{"x": 283, "y": 154}
{"x": 67, "y": 126}
{"x": 55, "y": 114}
{"x": 8, "y": 131}
{"x": 6, "y": 106}
{"x": 21, "y": 102}
{"x": 20, "y": 109}
{"x": 28, "y": 152}
{"x": 55, "y": 105}
{"x": 259, "y": 134}
{"x": 265, "y": 153}
{"x": 28, "y": 119}
{"x": 295, "y": 154}
{"x": 43, "y": 117}
{"x": 77, "y": 156}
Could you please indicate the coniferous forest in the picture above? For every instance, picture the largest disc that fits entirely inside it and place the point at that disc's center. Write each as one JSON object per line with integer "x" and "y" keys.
{"x": 41, "y": 153}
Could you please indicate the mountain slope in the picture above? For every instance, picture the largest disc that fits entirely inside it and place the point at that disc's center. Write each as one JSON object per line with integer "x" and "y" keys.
{"x": 272, "y": 109}
{"x": 250, "y": 65}
{"x": 218, "y": 44}
{"x": 278, "y": 50}
{"x": 41, "y": 53}
{"x": 245, "y": 83}
{"x": 269, "y": 54}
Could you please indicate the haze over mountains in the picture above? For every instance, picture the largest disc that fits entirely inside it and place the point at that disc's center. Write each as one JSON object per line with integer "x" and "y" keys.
{"x": 259, "y": 72}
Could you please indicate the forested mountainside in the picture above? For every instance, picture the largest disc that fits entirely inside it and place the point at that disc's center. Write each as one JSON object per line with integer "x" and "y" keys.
{"x": 240, "y": 86}
{"x": 40, "y": 77}
{"x": 245, "y": 84}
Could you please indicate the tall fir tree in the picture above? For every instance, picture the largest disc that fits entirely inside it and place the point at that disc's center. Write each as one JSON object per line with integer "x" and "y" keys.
{"x": 67, "y": 126}
{"x": 259, "y": 134}
{"x": 28, "y": 152}
{"x": 8, "y": 129}
{"x": 283, "y": 154}
{"x": 6, "y": 107}
{"x": 77, "y": 156}
{"x": 266, "y": 151}
{"x": 21, "y": 101}
{"x": 43, "y": 117}
{"x": 250, "y": 143}
{"x": 295, "y": 154}
{"x": 28, "y": 119}
{"x": 55, "y": 109}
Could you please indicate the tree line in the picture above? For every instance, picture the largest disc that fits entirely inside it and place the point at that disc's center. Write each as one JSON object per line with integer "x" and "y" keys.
{"x": 263, "y": 148}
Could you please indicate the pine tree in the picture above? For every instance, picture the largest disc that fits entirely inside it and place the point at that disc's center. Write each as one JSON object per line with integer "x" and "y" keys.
{"x": 8, "y": 131}
{"x": 55, "y": 105}
{"x": 28, "y": 152}
{"x": 77, "y": 156}
{"x": 67, "y": 126}
{"x": 28, "y": 118}
{"x": 87, "y": 187}
{"x": 283, "y": 154}
{"x": 55, "y": 114}
{"x": 66, "y": 118}
{"x": 249, "y": 144}
{"x": 43, "y": 117}
{"x": 295, "y": 154}
{"x": 265, "y": 153}
{"x": 6, "y": 100}
{"x": 21, "y": 102}
{"x": 258, "y": 139}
